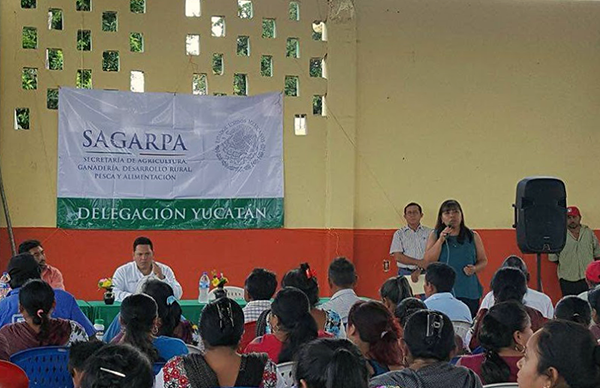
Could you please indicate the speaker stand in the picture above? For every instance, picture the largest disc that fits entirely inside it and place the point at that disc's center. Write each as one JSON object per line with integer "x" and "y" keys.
{"x": 539, "y": 271}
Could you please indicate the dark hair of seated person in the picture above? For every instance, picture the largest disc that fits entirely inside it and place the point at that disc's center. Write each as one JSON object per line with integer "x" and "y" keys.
{"x": 292, "y": 309}
{"x": 222, "y": 324}
{"x": 261, "y": 284}
{"x": 22, "y": 268}
{"x": 118, "y": 365}
{"x": 570, "y": 349}
{"x": 302, "y": 279}
{"x": 79, "y": 353}
{"x": 507, "y": 284}
{"x": 441, "y": 276}
{"x": 395, "y": 290}
{"x": 497, "y": 332}
{"x": 169, "y": 310}
{"x": 138, "y": 317}
{"x": 594, "y": 299}
{"x": 574, "y": 309}
{"x": 331, "y": 363}
{"x": 429, "y": 335}
{"x": 37, "y": 296}
{"x": 342, "y": 273}
{"x": 408, "y": 307}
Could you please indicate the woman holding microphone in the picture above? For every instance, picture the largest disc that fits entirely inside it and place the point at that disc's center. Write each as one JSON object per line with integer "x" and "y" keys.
{"x": 451, "y": 242}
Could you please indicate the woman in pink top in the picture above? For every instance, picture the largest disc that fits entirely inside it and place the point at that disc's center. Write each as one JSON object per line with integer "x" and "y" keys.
{"x": 292, "y": 326}
{"x": 504, "y": 333}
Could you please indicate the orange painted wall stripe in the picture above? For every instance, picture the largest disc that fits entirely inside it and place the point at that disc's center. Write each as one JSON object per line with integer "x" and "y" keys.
{"x": 86, "y": 256}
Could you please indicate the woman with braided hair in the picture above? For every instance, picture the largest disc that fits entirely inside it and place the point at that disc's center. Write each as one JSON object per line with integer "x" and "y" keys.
{"x": 36, "y": 302}
{"x": 428, "y": 345}
{"x": 505, "y": 330}
{"x": 221, "y": 328}
{"x": 372, "y": 327}
{"x": 292, "y": 326}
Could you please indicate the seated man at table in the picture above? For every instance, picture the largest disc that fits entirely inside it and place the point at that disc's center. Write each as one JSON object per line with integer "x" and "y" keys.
{"x": 50, "y": 274}
{"x": 130, "y": 278}
{"x": 23, "y": 267}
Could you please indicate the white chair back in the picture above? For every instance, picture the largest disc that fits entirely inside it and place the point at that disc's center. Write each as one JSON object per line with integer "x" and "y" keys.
{"x": 231, "y": 291}
{"x": 285, "y": 378}
{"x": 502, "y": 385}
{"x": 463, "y": 330}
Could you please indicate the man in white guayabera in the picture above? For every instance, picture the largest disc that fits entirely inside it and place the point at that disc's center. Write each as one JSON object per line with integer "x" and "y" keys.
{"x": 129, "y": 278}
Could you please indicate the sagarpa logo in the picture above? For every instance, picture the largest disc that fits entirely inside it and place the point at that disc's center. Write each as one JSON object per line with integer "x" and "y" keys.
{"x": 240, "y": 145}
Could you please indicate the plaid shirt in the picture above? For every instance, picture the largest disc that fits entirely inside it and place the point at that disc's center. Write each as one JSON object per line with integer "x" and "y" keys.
{"x": 254, "y": 308}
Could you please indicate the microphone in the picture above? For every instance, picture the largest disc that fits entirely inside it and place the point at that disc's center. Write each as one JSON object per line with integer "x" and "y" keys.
{"x": 449, "y": 224}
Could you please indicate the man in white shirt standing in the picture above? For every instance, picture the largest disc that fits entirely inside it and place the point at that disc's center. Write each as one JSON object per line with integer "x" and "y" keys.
{"x": 129, "y": 278}
{"x": 408, "y": 243}
{"x": 534, "y": 299}
{"x": 342, "y": 279}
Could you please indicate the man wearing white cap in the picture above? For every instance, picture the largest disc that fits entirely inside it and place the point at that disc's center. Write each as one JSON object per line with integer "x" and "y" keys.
{"x": 580, "y": 250}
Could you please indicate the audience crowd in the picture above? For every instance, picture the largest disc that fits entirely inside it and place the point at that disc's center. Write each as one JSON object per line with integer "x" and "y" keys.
{"x": 443, "y": 337}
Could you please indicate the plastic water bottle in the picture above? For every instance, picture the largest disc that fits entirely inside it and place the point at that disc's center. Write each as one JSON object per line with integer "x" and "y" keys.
{"x": 4, "y": 286}
{"x": 203, "y": 286}
{"x": 99, "y": 327}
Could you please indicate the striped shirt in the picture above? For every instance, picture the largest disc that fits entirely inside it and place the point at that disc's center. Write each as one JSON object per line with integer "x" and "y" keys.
{"x": 410, "y": 243}
{"x": 254, "y": 308}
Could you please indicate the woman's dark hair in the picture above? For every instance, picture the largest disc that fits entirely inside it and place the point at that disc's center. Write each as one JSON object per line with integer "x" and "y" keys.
{"x": 80, "y": 352}
{"x": 303, "y": 279}
{"x": 118, "y": 365}
{"x": 138, "y": 314}
{"x": 429, "y": 334}
{"x": 169, "y": 310}
{"x": 222, "y": 324}
{"x": 572, "y": 350}
{"x": 574, "y": 309}
{"x": 331, "y": 363}
{"x": 509, "y": 284}
{"x": 514, "y": 261}
{"x": 377, "y": 327}
{"x": 36, "y": 297}
{"x": 464, "y": 233}
{"x": 497, "y": 330}
{"x": 293, "y": 310}
{"x": 408, "y": 307}
{"x": 594, "y": 299}
{"x": 396, "y": 289}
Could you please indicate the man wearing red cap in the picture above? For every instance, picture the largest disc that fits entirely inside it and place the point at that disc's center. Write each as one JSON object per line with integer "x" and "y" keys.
{"x": 580, "y": 250}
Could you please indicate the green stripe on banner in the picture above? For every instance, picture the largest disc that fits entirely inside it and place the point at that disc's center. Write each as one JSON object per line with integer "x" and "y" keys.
{"x": 222, "y": 213}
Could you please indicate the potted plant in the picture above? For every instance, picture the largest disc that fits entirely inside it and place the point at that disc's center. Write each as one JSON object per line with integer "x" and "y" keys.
{"x": 107, "y": 285}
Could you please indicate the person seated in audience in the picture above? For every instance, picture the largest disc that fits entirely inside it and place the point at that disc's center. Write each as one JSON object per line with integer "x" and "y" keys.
{"x": 292, "y": 326}
{"x": 394, "y": 291}
{"x": 574, "y": 309}
{"x": 170, "y": 320}
{"x": 594, "y": 299}
{"x": 374, "y": 330}
{"x": 259, "y": 288}
{"x": 428, "y": 345}
{"x": 79, "y": 353}
{"x": 36, "y": 301}
{"x": 221, "y": 328}
{"x": 342, "y": 279}
{"x": 562, "y": 354}
{"x": 118, "y": 366}
{"x": 130, "y": 278}
{"x": 50, "y": 274}
{"x": 507, "y": 284}
{"x": 504, "y": 333}
{"x": 534, "y": 299}
{"x": 22, "y": 268}
{"x": 328, "y": 363}
{"x": 592, "y": 278}
{"x": 439, "y": 282}
{"x": 304, "y": 279}
{"x": 139, "y": 317}
{"x": 406, "y": 308}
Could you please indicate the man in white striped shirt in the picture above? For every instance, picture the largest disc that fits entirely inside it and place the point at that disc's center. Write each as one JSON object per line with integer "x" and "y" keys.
{"x": 408, "y": 243}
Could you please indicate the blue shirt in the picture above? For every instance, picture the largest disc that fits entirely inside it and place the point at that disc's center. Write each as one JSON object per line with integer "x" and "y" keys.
{"x": 446, "y": 303}
{"x": 66, "y": 308}
{"x": 169, "y": 347}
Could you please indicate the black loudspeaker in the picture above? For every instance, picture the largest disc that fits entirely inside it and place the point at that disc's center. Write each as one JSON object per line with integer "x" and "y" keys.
{"x": 541, "y": 215}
